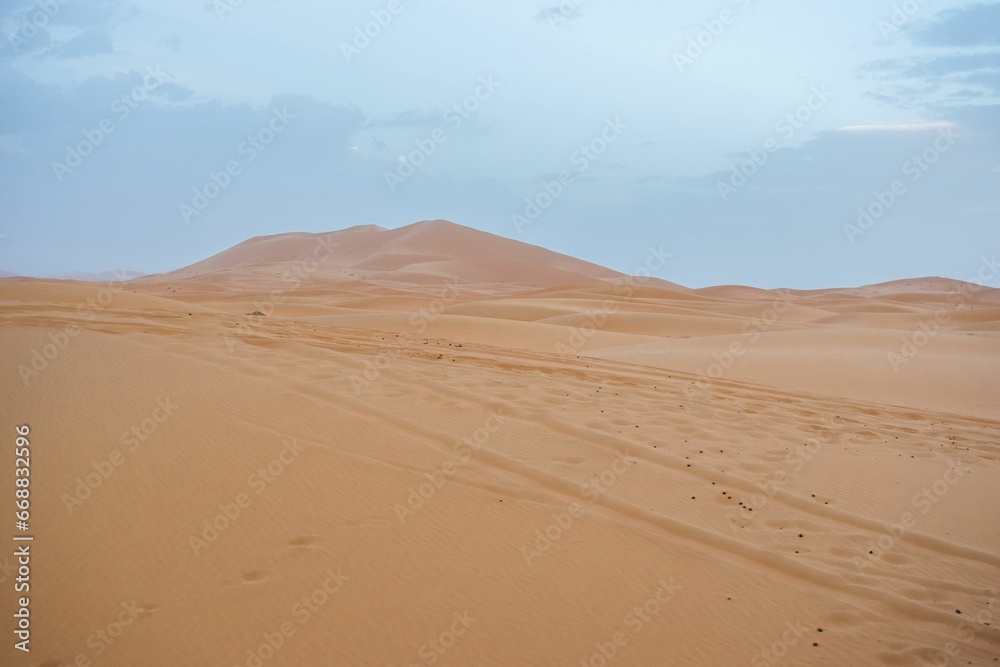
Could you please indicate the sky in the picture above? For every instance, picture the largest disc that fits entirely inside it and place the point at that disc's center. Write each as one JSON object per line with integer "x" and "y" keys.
{"x": 773, "y": 144}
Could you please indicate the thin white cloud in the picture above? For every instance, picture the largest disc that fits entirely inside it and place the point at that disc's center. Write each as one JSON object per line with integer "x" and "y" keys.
{"x": 898, "y": 127}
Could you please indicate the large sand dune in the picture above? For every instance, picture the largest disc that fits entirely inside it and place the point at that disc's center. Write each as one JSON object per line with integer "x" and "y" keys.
{"x": 434, "y": 446}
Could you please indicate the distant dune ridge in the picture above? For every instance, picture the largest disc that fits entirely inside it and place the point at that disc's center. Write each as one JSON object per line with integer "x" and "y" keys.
{"x": 436, "y": 445}
{"x": 103, "y": 276}
{"x": 426, "y": 252}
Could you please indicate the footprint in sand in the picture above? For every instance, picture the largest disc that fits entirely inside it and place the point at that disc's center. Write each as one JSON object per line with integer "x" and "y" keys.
{"x": 305, "y": 542}
{"x": 254, "y": 576}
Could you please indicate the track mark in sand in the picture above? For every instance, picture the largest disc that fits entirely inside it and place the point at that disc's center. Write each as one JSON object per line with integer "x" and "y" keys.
{"x": 863, "y": 584}
{"x": 467, "y": 392}
{"x": 547, "y": 419}
{"x": 697, "y": 537}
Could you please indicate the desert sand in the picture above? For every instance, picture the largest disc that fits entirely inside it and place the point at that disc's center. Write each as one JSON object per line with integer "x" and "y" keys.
{"x": 435, "y": 446}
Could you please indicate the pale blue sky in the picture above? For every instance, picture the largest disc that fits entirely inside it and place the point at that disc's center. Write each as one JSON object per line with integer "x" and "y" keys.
{"x": 872, "y": 87}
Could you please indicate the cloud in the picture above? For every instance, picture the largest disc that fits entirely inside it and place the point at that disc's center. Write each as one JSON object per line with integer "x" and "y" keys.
{"x": 413, "y": 118}
{"x": 30, "y": 106}
{"x": 974, "y": 25}
{"x": 172, "y": 92}
{"x": 848, "y": 164}
{"x": 94, "y": 13}
{"x": 29, "y": 28}
{"x": 951, "y": 80}
{"x": 930, "y": 80}
{"x": 127, "y": 190}
{"x": 91, "y": 42}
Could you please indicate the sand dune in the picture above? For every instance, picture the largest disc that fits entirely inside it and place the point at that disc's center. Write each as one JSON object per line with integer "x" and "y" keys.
{"x": 432, "y": 251}
{"x": 435, "y": 446}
